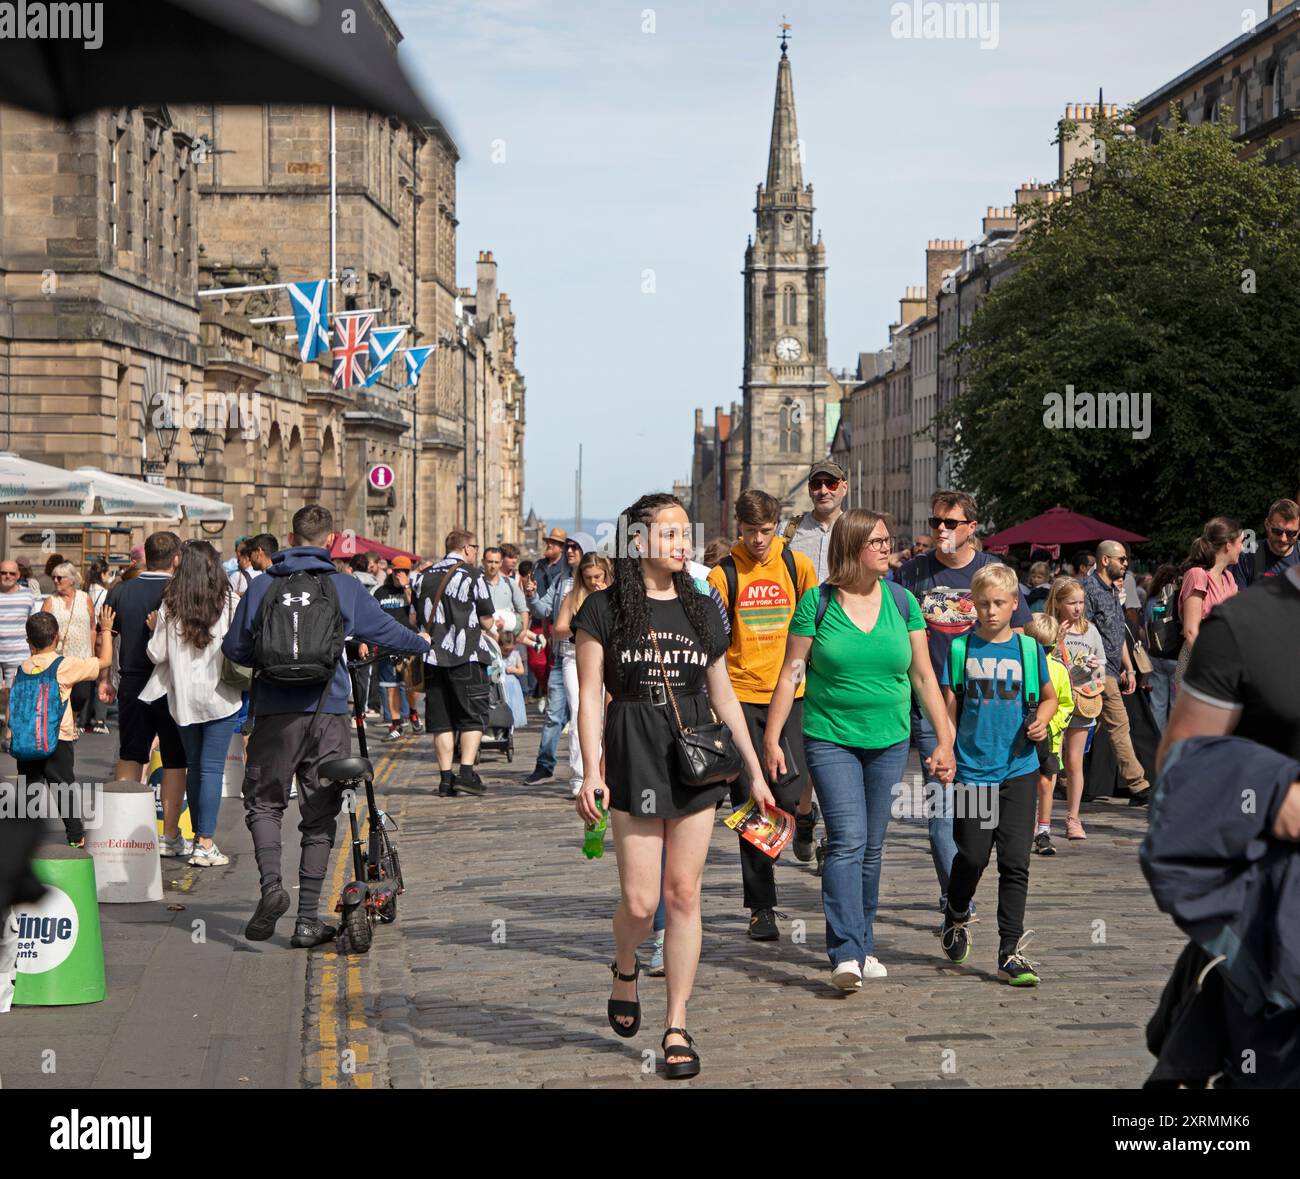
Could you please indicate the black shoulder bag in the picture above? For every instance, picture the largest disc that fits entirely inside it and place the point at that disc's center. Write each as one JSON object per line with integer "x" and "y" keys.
{"x": 704, "y": 755}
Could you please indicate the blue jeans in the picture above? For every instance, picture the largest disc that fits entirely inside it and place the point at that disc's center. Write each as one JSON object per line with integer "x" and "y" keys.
{"x": 557, "y": 716}
{"x": 205, "y": 758}
{"x": 1162, "y": 689}
{"x": 943, "y": 848}
{"x": 855, "y": 788}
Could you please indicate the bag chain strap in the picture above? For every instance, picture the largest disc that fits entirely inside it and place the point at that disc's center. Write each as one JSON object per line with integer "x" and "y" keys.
{"x": 672, "y": 699}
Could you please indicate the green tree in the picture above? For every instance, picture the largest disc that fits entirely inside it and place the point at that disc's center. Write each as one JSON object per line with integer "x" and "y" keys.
{"x": 1174, "y": 274}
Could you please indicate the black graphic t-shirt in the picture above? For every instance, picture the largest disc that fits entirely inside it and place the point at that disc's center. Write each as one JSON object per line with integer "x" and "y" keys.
{"x": 393, "y": 601}
{"x": 629, "y": 668}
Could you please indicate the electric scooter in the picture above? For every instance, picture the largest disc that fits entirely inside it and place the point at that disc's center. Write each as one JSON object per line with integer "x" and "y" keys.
{"x": 371, "y": 895}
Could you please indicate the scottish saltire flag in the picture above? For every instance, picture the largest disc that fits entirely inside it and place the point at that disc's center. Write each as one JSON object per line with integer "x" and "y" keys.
{"x": 350, "y": 347}
{"x": 311, "y": 308}
{"x": 415, "y": 358}
{"x": 383, "y": 344}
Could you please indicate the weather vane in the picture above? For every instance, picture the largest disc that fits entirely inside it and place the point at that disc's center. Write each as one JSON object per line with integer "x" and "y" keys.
{"x": 785, "y": 34}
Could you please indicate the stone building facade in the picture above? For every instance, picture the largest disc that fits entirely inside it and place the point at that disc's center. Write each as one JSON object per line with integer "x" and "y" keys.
{"x": 1254, "y": 81}
{"x": 114, "y": 223}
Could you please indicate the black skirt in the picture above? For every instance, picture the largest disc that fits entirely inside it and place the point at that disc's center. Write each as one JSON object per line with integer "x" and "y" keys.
{"x": 640, "y": 767}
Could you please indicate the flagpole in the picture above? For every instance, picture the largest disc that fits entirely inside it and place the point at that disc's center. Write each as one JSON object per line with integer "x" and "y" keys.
{"x": 334, "y": 211}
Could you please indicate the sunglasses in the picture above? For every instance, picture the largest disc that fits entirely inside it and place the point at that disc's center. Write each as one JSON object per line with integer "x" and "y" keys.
{"x": 1121, "y": 560}
{"x": 937, "y": 522}
{"x": 823, "y": 483}
{"x": 1284, "y": 533}
{"x": 7, "y": 573}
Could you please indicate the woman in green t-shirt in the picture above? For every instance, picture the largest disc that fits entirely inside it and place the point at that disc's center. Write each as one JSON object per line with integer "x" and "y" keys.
{"x": 862, "y": 662}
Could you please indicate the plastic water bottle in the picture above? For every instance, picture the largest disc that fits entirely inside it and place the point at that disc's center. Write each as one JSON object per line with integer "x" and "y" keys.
{"x": 593, "y": 838}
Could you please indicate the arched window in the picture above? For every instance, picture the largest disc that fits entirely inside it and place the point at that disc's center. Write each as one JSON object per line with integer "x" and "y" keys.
{"x": 791, "y": 429}
{"x": 1239, "y": 106}
{"x": 1274, "y": 90}
{"x": 1212, "y": 110}
{"x": 790, "y": 307}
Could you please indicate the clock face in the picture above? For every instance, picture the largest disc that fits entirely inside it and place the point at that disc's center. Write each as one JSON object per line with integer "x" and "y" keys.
{"x": 788, "y": 348}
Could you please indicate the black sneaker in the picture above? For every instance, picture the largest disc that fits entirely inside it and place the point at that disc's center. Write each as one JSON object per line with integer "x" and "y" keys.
{"x": 955, "y": 938}
{"x": 447, "y": 784}
{"x": 310, "y": 931}
{"x": 469, "y": 781}
{"x": 1016, "y": 969}
{"x": 272, "y": 906}
{"x": 416, "y": 725}
{"x": 1140, "y": 797}
{"x": 762, "y": 926}
{"x": 804, "y": 828}
{"x": 538, "y": 776}
{"x": 1043, "y": 845}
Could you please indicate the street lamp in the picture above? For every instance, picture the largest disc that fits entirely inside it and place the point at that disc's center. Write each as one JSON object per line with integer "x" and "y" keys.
{"x": 201, "y": 438}
{"x": 166, "y": 434}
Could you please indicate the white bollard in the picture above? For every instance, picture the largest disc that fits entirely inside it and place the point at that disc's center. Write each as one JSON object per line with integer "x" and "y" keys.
{"x": 124, "y": 845}
{"x": 232, "y": 773}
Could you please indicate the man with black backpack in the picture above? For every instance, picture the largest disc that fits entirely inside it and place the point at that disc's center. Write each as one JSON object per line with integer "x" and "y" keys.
{"x": 761, "y": 581}
{"x": 290, "y": 627}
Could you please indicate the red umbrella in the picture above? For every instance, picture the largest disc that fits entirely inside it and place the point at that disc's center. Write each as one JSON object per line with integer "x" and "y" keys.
{"x": 1060, "y": 526}
{"x": 349, "y": 544}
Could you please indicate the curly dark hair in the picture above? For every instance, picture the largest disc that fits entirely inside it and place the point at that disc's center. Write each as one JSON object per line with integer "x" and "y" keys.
{"x": 630, "y": 609}
{"x": 197, "y": 593}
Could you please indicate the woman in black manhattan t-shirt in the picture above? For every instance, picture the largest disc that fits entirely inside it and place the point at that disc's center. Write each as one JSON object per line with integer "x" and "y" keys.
{"x": 650, "y": 808}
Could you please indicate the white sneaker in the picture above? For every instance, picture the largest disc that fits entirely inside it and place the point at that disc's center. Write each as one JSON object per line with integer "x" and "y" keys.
{"x": 175, "y": 846}
{"x": 208, "y": 857}
{"x": 847, "y": 976}
{"x": 872, "y": 968}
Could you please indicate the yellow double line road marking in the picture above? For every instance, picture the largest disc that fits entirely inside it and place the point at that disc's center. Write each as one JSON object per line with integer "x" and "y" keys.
{"x": 331, "y": 1021}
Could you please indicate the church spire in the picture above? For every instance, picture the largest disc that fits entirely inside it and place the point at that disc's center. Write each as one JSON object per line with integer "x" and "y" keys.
{"x": 784, "y": 172}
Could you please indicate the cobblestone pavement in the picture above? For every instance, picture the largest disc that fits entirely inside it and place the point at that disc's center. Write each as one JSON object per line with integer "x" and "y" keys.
{"x": 495, "y": 972}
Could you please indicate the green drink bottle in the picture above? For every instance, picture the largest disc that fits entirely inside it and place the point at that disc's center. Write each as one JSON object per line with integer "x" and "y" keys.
{"x": 593, "y": 839}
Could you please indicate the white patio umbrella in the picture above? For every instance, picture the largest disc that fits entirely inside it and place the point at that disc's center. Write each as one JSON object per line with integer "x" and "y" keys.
{"x": 31, "y": 486}
{"x": 116, "y": 494}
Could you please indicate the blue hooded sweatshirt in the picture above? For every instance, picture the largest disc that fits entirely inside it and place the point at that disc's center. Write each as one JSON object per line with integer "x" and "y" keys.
{"x": 363, "y": 621}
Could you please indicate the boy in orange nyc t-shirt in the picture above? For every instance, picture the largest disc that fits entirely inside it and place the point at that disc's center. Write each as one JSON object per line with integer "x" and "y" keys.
{"x": 767, "y": 590}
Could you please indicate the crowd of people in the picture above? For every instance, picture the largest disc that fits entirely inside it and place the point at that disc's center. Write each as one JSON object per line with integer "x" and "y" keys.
{"x": 826, "y": 653}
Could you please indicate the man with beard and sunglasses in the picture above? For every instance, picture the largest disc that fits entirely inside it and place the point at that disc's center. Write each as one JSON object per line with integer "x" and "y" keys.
{"x": 1279, "y": 552}
{"x": 810, "y": 533}
{"x": 940, "y": 579}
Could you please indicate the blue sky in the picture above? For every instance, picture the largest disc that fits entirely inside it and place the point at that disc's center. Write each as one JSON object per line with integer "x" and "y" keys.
{"x": 628, "y": 150}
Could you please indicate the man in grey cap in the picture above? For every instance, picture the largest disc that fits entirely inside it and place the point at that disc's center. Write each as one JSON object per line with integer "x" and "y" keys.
{"x": 811, "y": 533}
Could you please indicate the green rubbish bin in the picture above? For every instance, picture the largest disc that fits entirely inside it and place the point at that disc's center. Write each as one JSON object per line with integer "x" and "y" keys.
{"x": 60, "y": 946}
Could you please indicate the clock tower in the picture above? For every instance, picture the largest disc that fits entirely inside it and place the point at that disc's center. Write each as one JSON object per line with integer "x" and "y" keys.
{"x": 785, "y": 379}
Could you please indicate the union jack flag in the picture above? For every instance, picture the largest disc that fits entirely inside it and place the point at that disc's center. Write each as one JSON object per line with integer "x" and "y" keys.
{"x": 350, "y": 348}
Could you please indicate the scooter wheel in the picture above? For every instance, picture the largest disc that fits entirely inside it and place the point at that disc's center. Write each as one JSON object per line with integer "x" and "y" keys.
{"x": 355, "y": 934}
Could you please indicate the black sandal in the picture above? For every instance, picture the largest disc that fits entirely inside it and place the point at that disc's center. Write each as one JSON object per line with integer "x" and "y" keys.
{"x": 625, "y": 1007}
{"x": 684, "y": 1068}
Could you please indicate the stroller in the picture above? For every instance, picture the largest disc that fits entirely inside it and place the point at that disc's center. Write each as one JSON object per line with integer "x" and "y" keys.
{"x": 499, "y": 732}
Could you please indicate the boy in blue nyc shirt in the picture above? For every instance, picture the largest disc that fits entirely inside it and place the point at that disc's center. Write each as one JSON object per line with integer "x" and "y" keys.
{"x": 996, "y": 791}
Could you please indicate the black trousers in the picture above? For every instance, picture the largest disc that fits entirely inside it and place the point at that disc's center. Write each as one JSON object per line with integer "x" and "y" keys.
{"x": 57, "y": 769}
{"x": 758, "y": 871}
{"x": 269, "y": 769}
{"x": 1011, "y": 831}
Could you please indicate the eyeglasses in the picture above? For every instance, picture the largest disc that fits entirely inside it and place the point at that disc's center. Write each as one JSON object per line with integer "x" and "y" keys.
{"x": 881, "y": 544}
{"x": 7, "y": 573}
{"x": 937, "y": 522}
{"x": 1121, "y": 560}
{"x": 822, "y": 483}
{"x": 60, "y": 577}
{"x": 1284, "y": 533}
